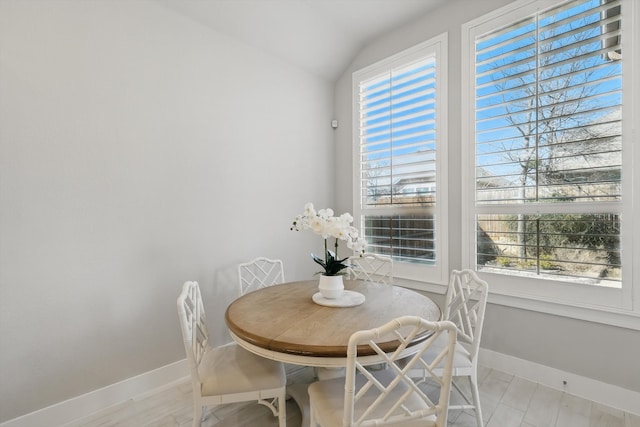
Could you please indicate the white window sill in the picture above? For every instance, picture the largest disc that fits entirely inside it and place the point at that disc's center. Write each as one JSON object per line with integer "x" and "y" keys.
{"x": 608, "y": 316}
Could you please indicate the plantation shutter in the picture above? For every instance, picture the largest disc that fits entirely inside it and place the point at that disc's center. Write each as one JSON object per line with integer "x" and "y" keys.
{"x": 398, "y": 136}
{"x": 548, "y": 107}
{"x": 397, "y": 141}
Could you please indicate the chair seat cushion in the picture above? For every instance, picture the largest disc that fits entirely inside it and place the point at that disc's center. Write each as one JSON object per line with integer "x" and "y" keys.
{"x": 461, "y": 357}
{"x": 327, "y": 401}
{"x": 231, "y": 369}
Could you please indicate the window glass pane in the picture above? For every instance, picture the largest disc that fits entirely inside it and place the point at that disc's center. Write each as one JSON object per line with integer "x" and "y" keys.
{"x": 409, "y": 238}
{"x": 583, "y": 248}
{"x": 398, "y": 153}
{"x": 548, "y": 128}
{"x": 398, "y": 136}
{"x": 548, "y": 108}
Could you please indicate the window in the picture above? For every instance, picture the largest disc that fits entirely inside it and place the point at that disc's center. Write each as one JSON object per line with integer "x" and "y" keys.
{"x": 546, "y": 107}
{"x": 399, "y": 139}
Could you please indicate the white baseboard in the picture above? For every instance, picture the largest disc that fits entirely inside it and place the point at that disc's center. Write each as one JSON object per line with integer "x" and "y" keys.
{"x": 587, "y": 388}
{"x": 86, "y": 404}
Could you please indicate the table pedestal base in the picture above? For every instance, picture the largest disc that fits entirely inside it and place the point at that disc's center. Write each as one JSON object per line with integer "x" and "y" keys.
{"x": 329, "y": 373}
{"x": 298, "y": 392}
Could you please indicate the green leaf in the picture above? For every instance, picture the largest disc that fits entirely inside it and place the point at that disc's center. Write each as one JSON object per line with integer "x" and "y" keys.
{"x": 319, "y": 261}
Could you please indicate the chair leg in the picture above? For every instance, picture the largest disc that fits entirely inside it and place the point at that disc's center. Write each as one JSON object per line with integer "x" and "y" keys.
{"x": 282, "y": 410}
{"x": 473, "y": 379}
{"x": 197, "y": 414}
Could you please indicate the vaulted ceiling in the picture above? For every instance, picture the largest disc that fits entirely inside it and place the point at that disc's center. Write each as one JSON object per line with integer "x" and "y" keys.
{"x": 321, "y": 36}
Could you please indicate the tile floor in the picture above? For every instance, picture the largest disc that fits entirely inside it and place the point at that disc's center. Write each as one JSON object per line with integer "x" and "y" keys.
{"x": 507, "y": 401}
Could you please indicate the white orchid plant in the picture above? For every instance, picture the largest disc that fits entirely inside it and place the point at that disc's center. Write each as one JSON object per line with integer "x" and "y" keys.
{"x": 328, "y": 226}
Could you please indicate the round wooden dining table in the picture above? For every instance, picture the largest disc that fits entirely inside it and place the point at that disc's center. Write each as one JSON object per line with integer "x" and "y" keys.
{"x": 283, "y": 323}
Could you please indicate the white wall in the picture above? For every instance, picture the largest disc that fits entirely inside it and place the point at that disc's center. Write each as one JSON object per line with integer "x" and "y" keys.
{"x": 138, "y": 150}
{"x": 605, "y": 353}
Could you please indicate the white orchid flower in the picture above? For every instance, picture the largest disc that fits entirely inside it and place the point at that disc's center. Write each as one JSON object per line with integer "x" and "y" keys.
{"x": 324, "y": 223}
{"x": 346, "y": 218}
{"x": 357, "y": 245}
{"x": 317, "y": 225}
{"x": 325, "y": 213}
{"x": 309, "y": 211}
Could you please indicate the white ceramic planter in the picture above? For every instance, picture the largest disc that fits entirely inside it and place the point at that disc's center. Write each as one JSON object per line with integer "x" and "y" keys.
{"x": 331, "y": 287}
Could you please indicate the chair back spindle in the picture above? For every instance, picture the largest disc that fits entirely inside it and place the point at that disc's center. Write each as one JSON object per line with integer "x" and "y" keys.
{"x": 259, "y": 273}
{"x": 465, "y": 306}
{"x": 371, "y": 267}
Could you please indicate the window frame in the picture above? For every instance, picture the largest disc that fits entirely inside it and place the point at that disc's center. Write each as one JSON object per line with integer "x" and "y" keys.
{"x": 616, "y": 306}
{"x": 408, "y": 274}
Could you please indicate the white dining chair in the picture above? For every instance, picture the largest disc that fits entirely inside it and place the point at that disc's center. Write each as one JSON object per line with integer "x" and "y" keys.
{"x": 371, "y": 267}
{"x": 229, "y": 373}
{"x": 465, "y": 305}
{"x": 259, "y": 273}
{"x": 388, "y": 397}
